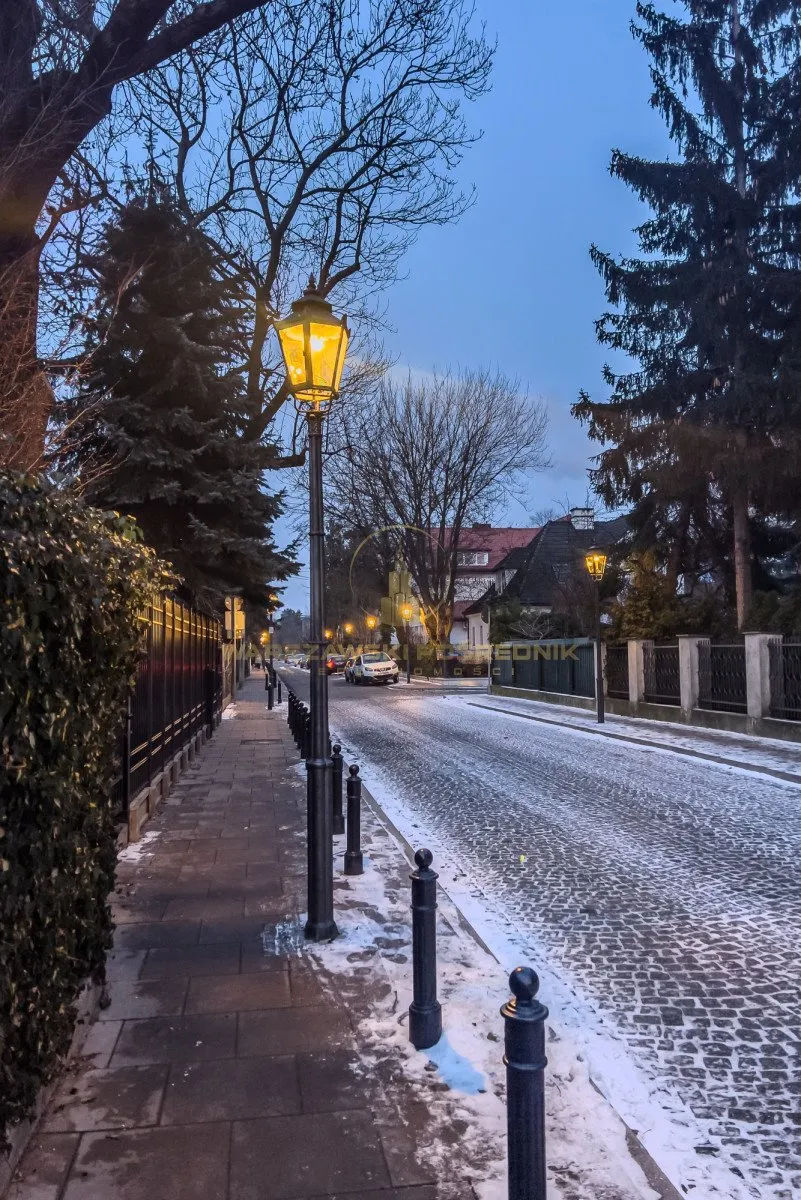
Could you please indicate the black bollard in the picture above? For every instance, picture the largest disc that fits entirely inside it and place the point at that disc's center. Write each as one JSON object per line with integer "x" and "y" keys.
{"x": 339, "y": 819}
{"x": 525, "y": 1060}
{"x": 268, "y": 683}
{"x": 305, "y": 750}
{"x": 425, "y": 1013}
{"x": 278, "y": 677}
{"x": 354, "y": 860}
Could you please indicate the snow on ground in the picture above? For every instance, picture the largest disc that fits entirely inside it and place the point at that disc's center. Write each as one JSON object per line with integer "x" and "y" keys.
{"x": 772, "y": 755}
{"x": 461, "y": 1081}
{"x": 656, "y": 895}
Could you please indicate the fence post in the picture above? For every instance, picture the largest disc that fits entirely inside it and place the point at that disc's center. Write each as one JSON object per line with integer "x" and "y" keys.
{"x": 757, "y": 674}
{"x": 354, "y": 860}
{"x": 339, "y": 819}
{"x": 688, "y": 674}
{"x": 636, "y": 671}
{"x": 425, "y": 1013}
{"x": 524, "y": 1038}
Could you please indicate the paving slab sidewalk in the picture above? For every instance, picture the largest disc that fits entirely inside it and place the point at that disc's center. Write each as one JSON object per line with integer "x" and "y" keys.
{"x": 227, "y": 1064}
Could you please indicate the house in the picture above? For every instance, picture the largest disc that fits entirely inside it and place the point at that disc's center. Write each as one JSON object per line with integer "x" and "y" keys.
{"x": 547, "y": 577}
{"x": 485, "y": 559}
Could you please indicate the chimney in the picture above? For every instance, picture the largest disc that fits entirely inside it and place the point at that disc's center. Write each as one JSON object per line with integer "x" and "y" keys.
{"x": 583, "y": 518}
{"x": 481, "y": 528}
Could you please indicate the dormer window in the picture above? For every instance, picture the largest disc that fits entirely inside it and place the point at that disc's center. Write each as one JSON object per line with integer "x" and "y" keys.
{"x": 472, "y": 558}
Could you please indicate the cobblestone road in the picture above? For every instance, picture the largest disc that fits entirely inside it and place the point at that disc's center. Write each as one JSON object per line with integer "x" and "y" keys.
{"x": 666, "y": 888}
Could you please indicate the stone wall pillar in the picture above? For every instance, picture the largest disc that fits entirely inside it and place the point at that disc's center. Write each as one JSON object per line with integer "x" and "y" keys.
{"x": 636, "y": 671}
{"x": 757, "y": 674}
{"x": 688, "y": 673}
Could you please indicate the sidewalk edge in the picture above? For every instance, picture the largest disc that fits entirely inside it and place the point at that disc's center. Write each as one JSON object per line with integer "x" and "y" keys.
{"x": 653, "y": 1173}
{"x": 721, "y": 760}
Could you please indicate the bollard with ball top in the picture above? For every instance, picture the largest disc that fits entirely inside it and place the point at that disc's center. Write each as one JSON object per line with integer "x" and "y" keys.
{"x": 425, "y": 1013}
{"x": 354, "y": 860}
{"x": 338, "y": 764}
{"x": 524, "y": 1017}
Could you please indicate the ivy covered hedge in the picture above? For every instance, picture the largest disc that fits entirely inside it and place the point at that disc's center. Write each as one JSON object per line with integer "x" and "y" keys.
{"x": 72, "y": 581}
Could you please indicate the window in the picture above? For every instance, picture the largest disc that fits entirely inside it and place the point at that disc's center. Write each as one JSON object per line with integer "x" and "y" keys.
{"x": 472, "y": 558}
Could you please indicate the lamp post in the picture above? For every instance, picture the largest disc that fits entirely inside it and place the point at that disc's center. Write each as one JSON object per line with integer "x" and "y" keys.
{"x": 371, "y": 623}
{"x": 347, "y": 629}
{"x": 313, "y": 345}
{"x": 406, "y": 613}
{"x": 595, "y": 562}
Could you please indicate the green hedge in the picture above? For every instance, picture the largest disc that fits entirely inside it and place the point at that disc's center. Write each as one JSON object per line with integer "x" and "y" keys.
{"x": 72, "y": 583}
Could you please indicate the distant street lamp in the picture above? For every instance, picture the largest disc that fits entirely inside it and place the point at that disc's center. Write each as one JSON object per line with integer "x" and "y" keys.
{"x": 347, "y": 628}
{"x": 371, "y": 623}
{"x": 328, "y": 634}
{"x": 313, "y": 344}
{"x": 595, "y": 561}
{"x": 407, "y": 612}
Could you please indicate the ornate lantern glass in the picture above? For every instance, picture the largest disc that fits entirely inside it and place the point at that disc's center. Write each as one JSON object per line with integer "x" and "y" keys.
{"x": 313, "y": 344}
{"x": 595, "y": 562}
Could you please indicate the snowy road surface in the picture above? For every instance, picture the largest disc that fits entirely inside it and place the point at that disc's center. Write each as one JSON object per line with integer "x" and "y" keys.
{"x": 664, "y": 889}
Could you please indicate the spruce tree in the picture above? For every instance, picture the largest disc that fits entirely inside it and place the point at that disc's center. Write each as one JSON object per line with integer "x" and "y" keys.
{"x": 702, "y": 438}
{"x": 161, "y": 405}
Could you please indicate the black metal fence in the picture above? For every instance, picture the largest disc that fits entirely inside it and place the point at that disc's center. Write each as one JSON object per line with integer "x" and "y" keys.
{"x": 617, "y": 671}
{"x": 785, "y": 678}
{"x": 721, "y": 677}
{"x": 178, "y": 691}
{"x": 563, "y": 666}
{"x": 661, "y": 670}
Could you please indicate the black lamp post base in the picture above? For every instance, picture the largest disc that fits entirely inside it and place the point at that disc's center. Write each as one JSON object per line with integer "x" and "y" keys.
{"x": 425, "y": 1025}
{"x": 320, "y": 931}
{"x": 354, "y": 862}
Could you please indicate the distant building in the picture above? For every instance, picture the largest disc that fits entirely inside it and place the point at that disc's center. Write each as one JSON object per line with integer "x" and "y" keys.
{"x": 486, "y": 558}
{"x": 547, "y": 576}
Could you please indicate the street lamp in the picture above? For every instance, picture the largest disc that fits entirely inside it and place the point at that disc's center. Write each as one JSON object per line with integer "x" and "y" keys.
{"x": 313, "y": 344}
{"x": 328, "y": 634}
{"x": 371, "y": 623}
{"x": 595, "y": 562}
{"x": 406, "y": 613}
{"x": 347, "y": 629}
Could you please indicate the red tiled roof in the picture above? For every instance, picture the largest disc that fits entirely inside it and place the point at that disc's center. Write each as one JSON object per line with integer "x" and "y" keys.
{"x": 496, "y": 542}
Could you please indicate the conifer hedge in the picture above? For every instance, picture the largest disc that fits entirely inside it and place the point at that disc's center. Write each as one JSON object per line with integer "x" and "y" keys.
{"x": 72, "y": 581}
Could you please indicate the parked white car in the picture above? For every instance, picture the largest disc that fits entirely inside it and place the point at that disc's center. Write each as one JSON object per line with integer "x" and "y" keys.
{"x": 374, "y": 667}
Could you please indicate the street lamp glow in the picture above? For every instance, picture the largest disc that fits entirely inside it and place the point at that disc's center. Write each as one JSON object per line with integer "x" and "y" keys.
{"x": 313, "y": 344}
{"x": 595, "y": 562}
{"x": 407, "y": 612}
{"x": 371, "y": 623}
{"x": 348, "y": 628}
{"x": 328, "y": 634}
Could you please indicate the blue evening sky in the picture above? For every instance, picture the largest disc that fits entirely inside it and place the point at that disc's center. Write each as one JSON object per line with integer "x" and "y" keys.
{"x": 512, "y": 284}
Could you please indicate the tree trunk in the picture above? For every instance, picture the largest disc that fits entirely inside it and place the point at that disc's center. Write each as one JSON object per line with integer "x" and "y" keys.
{"x": 26, "y": 398}
{"x": 743, "y": 580}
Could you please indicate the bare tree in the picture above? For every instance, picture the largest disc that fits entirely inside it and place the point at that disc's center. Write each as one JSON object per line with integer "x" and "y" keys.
{"x": 319, "y": 139}
{"x": 427, "y": 458}
{"x": 60, "y": 61}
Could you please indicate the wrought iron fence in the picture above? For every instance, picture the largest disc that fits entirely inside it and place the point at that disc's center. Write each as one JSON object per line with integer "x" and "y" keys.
{"x": 661, "y": 670}
{"x": 617, "y": 671}
{"x": 563, "y": 666}
{"x": 721, "y": 677}
{"x": 785, "y": 678}
{"x": 178, "y": 690}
